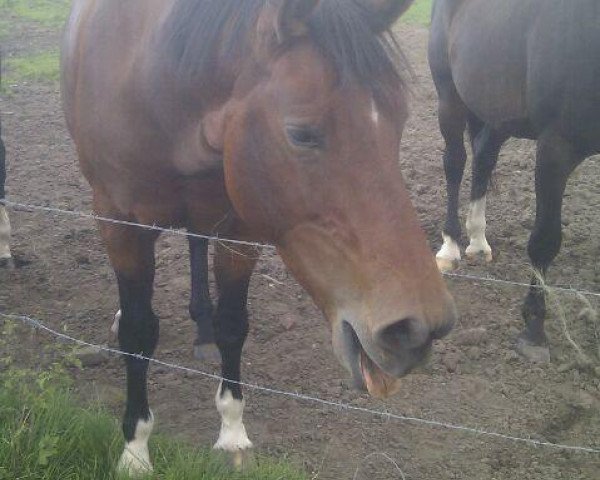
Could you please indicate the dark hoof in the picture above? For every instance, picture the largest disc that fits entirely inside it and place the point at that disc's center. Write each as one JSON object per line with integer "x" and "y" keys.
{"x": 8, "y": 263}
{"x": 14, "y": 263}
{"x": 531, "y": 351}
{"x": 207, "y": 353}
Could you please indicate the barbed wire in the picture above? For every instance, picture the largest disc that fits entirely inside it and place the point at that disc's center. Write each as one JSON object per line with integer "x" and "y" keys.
{"x": 36, "y": 324}
{"x": 173, "y": 231}
{"x": 170, "y": 231}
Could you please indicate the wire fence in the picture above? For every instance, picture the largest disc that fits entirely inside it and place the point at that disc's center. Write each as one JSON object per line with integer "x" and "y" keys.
{"x": 172, "y": 231}
{"x": 38, "y": 325}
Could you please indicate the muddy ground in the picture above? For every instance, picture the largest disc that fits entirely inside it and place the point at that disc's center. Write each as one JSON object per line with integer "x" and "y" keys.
{"x": 477, "y": 380}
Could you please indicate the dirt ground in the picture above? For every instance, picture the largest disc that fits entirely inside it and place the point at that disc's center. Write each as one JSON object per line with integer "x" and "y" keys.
{"x": 474, "y": 379}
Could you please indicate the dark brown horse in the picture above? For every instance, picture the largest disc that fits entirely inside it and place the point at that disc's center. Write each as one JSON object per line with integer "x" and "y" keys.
{"x": 275, "y": 121}
{"x": 516, "y": 68}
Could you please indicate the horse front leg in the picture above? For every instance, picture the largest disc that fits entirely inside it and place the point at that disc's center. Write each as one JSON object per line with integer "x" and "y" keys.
{"x": 556, "y": 159}
{"x": 131, "y": 252}
{"x": 233, "y": 269}
{"x": 486, "y": 148}
{"x": 452, "y": 118}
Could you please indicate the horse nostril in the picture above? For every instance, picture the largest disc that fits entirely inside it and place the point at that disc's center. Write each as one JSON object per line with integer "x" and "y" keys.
{"x": 404, "y": 334}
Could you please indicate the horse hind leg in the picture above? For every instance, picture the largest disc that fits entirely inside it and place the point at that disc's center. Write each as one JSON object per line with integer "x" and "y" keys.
{"x": 486, "y": 148}
{"x": 556, "y": 160}
{"x": 6, "y": 258}
{"x": 5, "y": 230}
{"x": 233, "y": 269}
{"x": 452, "y": 118}
{"x": 201, "y": 308}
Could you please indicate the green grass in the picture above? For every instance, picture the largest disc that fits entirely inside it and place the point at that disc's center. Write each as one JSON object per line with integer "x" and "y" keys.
{"x": 49, "y": 13}
{"x": 40, "y": 67}
{"x": 5, "y": 26}
{"x": 419, "y": 13}
{"x": 44, "y": 435}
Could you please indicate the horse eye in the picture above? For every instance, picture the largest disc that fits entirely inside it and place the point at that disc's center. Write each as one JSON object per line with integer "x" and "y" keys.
{"x": 304, "y": 137}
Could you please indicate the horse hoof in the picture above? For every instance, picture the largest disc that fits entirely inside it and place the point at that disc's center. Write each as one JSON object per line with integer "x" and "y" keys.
{"x": 478, "y": 255}
{"x": 8, "y": 263}
{"x": 207, "y": 353}
{"x": 446, "y": 265}
{"x": 134, "y": 466}
{"x": 532, "y": 352}
{"x": 239, "y": 460}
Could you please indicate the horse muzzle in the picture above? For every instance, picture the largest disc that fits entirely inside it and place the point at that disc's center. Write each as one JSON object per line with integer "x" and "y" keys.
{"x": 378, "y": 360}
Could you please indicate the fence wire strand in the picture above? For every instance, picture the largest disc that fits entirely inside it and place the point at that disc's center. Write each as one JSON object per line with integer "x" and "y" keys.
{"x": 173, "y": 231}
{"x": 36, "y": 324}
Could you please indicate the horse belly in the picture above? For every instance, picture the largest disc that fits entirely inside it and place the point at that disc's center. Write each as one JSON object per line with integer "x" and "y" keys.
{"x": 564, "y": 74}
{"x": 488, "y": 56}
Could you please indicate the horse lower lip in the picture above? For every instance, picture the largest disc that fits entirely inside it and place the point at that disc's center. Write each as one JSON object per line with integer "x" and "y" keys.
{"x": 366, "y": 373}
{"x": 379, "y": 384}
{"x": 367, "y": 379}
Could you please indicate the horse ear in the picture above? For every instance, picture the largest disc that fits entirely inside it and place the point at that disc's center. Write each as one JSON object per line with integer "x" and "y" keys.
{"x": 384, "y": 13}
{"x": 283, "y": 20}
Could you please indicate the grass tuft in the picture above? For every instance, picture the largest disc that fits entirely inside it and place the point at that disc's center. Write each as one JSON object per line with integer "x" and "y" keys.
{"x": 40, "y": 67}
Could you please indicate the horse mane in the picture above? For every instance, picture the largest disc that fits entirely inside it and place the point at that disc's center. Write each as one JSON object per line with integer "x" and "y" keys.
{"x": 200, "y": 34}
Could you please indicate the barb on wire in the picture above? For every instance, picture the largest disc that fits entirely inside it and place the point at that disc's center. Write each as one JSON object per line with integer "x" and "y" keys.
{"x": 307, "y": 398}
{"x": 170, "y": 231}
{"x": 222, "y": 241}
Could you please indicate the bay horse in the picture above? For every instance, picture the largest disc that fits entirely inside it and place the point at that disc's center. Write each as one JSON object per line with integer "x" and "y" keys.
{"x": 516, "y": 68}
{"x": 263, "y": 120}
{"x": 5, "y": 255}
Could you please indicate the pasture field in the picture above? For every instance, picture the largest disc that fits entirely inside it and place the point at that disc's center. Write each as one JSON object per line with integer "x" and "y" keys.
{"x": 475, "y": 378}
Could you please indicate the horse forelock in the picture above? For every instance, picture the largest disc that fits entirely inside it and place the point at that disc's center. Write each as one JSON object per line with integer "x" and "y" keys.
{"x": 199, "y": 35}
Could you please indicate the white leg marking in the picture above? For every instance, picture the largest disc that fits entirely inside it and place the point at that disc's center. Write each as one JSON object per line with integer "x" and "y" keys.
{"x": 232, "y": 437}
{"x": 4, "y": 234}
{"x": 476, "y": 229}
{"x": 135, "y": 460}
{"x": 449, "y": 255}
{"x": 115, "y": 326}
{"x": 374, "y": 113}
